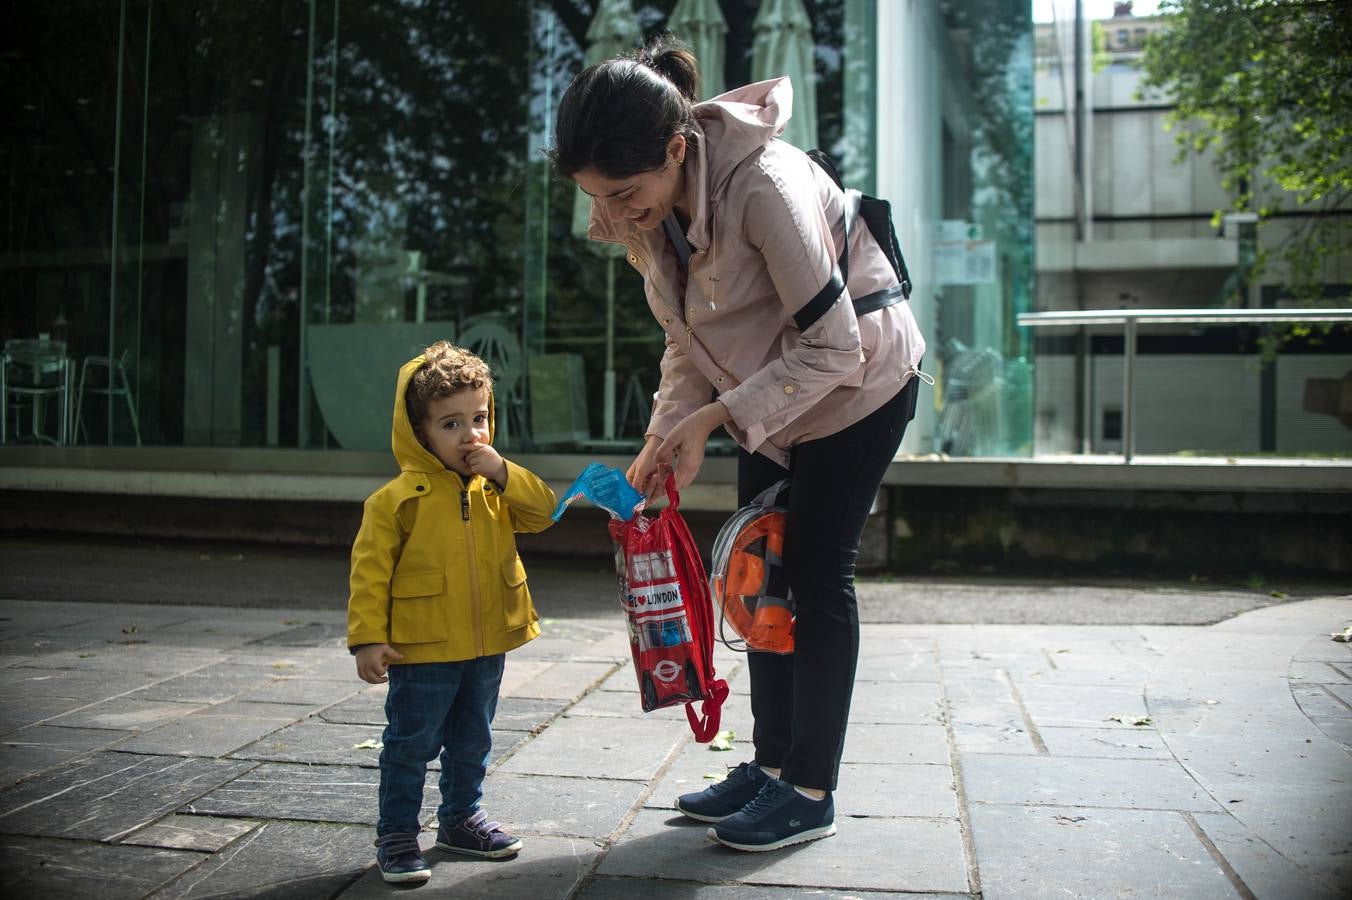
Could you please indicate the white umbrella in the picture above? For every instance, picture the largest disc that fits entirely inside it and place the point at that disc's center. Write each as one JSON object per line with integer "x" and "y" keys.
{"x": 701, "y": 25}
{"x": 614, "y": 30}
{"x": 783, "y": 46}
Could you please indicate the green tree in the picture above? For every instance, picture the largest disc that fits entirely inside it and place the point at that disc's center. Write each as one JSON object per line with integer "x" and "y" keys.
{"x": 1264, "y": 84}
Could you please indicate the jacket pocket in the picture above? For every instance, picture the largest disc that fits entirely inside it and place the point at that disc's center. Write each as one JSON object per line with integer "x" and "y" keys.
{"x": 516, "y": 605}
{"x": 416, "y": 609}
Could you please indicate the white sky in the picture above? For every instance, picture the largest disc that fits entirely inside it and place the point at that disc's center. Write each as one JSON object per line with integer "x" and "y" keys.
{"x": 1093, "y": 9}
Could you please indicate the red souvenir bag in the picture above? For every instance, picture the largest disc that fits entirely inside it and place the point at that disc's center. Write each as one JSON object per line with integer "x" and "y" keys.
{"x": 665, "y": 595}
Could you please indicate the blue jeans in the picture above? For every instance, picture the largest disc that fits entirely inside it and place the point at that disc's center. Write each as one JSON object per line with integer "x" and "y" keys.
{"x": 431, "y": 708}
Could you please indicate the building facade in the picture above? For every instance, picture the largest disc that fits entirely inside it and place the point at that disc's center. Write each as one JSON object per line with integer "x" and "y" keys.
{"x": 1124, "y": 222}
{"x": 240, "y": 218}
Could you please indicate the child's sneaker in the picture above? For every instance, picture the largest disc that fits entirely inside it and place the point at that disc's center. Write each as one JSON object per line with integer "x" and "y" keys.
{"x": 400, "y": 859}
{"x": 478, "y": 837}
{"x": 778, "y": 817}
{"x": 718, "y": 801}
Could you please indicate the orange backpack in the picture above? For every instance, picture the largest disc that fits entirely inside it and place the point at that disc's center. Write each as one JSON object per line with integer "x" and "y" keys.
{"x": 749, "y": 585}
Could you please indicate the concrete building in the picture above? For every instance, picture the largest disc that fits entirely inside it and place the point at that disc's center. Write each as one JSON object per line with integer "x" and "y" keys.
{"x": 1123, "y": 223}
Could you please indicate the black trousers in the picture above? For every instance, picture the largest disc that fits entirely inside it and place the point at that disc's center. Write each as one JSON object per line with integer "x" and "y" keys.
{"x": 801, "y": 701}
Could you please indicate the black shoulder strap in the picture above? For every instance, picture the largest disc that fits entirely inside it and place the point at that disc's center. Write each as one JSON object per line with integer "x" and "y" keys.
{"x": 678, "y": 240}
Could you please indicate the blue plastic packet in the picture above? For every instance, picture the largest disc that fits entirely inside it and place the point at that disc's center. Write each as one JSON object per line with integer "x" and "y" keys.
{"x": 604, "y": 487}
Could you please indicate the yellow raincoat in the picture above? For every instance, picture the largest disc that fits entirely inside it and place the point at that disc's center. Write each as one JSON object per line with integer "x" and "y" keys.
{"x": 435, "y": 572}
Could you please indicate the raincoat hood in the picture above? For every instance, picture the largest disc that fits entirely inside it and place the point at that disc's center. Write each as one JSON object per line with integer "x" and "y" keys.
{"x": 408, "y": 450}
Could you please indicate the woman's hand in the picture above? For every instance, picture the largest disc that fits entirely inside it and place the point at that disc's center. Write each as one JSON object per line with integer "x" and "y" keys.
{"x": 644, "y": 466}
{"x": 683, "y": 449}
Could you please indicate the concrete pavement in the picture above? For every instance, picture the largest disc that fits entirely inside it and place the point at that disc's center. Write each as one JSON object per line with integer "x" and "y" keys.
{"x": 170, "y": 750}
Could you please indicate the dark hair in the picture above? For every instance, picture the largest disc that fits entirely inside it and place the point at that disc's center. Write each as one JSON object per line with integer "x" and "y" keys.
{"x": 618, "y": 115}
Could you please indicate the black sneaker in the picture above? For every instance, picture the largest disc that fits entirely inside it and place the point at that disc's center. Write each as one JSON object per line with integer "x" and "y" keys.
{"x": 718, "y": 801}
{"x": 477, "y": 836}
{"x": 400, "y": 859}
{"x": 778, "y": 817}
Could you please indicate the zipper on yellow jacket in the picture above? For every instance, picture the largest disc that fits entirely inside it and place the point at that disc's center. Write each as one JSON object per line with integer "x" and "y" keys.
{"x": 475, "y": 603}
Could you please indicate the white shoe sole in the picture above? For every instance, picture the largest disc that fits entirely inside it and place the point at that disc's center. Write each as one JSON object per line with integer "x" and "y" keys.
{"x": 405, "y": 877}
{"x": 801, "y": 837}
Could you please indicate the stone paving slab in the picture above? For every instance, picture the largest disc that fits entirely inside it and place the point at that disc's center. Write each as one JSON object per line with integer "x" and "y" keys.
{"x": 867, "y": 742}
{"x": 1249, "y": 710}
{"x": 342, "y": 794}
{"x": 215, "y": 684}
{"x": 365, "y": 708}
{"x": 163, "y": 662}
{"x": 1263, "y": 759}
{"x": 624, "y": 749}
{"x": 107, "y": 795}
{"x": 564, "y": 807}
{"x": 125, "y": 714}
{"x": 1072, "y": 781}
{"x": 1082, "y": 706}
{"x": 317, "y": 743}
{"x": 20, "y": 711}
{"x": 40, "y": 747}
{"x": 564, "y": 680}
{"x": 90, "y": 686}
{"x": 1263, "y": 870}
{"x": 547, "y": 868}
{"x": 41, "y": 867}
{"x": 302, "y": 690}
{"x": 301, "y": 860}
{"x": 896, "y": 702}
{"x": 186, "y": 832}
{"x": 1027, "y": 852}
{"x": 927, "y": 791}
{"x": 215, "y": 730}
{"x": 1129, "y": 743}
{"x": 869, "y": 854}
{"x": 652, "y": 889}
{"x": 522, "y": 713}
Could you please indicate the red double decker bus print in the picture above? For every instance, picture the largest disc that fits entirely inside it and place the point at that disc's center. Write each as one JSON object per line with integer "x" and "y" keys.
{"x": 659, "y": 630}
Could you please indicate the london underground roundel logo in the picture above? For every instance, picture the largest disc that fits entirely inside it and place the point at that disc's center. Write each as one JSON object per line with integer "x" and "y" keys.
{"x": 666, "y": 671}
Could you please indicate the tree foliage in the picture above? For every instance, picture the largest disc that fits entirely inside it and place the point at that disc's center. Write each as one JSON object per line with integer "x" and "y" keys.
{"x": 1264, "y": 84}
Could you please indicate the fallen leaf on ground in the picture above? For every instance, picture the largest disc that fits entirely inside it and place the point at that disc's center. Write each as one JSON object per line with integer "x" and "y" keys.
{"x": 368, "y": 744}
{"x": 130, "y": 629}
{"x": 722, "y": 741}
{"x": 283, "y": 665}
{"x": 1136, "y": 721}
{"x": 1280, "y": 595}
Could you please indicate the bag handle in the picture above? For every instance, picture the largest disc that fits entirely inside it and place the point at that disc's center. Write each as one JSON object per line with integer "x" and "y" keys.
{"x": 705, "y": 723}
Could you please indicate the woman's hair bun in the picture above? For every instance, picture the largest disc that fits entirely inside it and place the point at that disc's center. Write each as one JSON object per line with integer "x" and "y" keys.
{"x": 671, "y": 59}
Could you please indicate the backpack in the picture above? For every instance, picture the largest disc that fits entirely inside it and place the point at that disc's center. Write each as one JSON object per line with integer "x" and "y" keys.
{"x": 877, "y": 215}
{"x": 748, "y": 580}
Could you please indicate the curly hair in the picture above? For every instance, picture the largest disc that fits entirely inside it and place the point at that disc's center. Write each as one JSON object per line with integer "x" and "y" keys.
{"x": 446, "y": 370}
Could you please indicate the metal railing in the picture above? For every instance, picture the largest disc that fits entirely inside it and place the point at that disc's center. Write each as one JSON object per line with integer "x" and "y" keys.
{"x": 1129, "y": 319}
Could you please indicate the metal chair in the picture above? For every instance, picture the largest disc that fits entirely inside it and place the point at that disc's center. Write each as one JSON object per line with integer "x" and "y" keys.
{"x": 36, "y": 370}
{"x": 114, "y": 385}
{"x": 493, "y": 342}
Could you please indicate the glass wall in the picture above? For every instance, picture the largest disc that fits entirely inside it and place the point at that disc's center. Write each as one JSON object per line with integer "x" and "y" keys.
{"x": 239, "y": 218}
